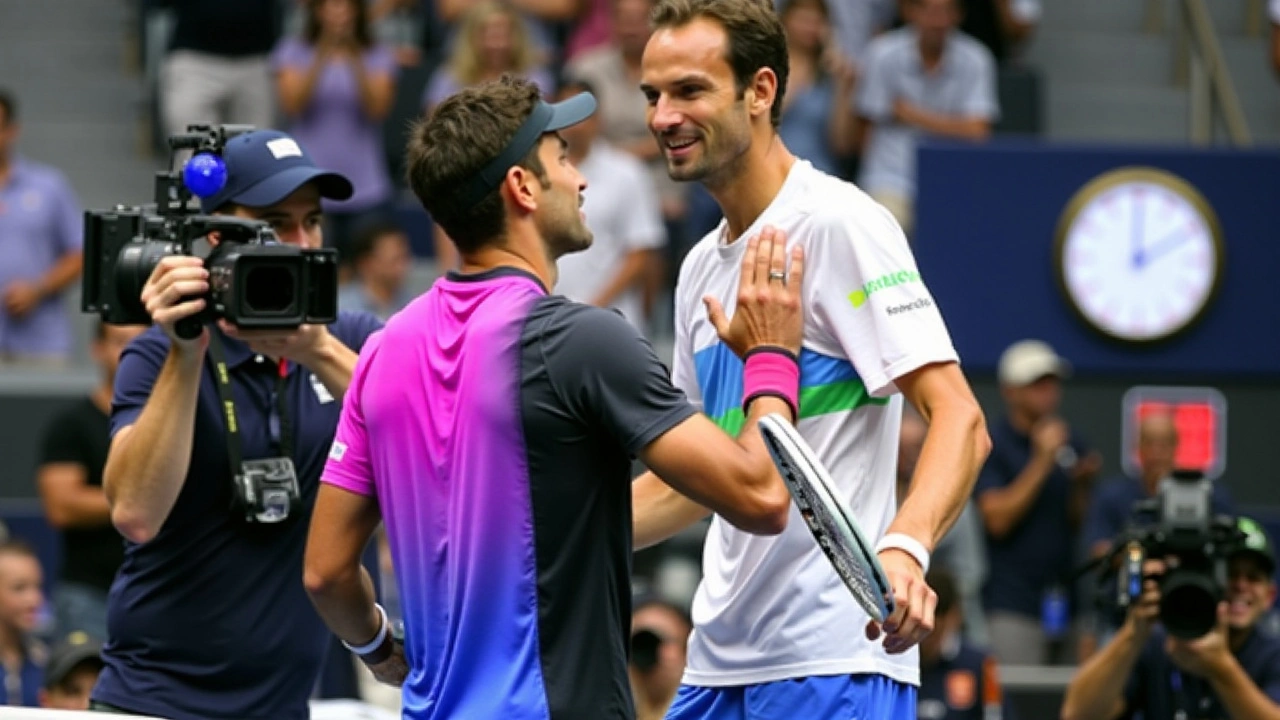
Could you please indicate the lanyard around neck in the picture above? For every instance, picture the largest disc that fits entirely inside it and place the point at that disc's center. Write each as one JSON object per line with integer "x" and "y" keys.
{"x": 222, "y": 378}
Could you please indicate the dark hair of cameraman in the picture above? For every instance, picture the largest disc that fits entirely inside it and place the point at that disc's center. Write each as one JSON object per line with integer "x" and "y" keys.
{"x": 1233, "y": 671}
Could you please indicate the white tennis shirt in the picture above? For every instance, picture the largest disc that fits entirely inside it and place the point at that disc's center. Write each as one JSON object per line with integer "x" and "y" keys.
{"x": 771, "y": 608}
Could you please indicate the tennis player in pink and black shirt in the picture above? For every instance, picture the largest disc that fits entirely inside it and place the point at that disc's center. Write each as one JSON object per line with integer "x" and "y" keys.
{"x": 491, "y": 426}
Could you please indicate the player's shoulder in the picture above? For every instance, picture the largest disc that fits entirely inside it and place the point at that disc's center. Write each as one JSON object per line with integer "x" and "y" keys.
{"x": 831, "y": 206}
{"x": 558, "y": 319}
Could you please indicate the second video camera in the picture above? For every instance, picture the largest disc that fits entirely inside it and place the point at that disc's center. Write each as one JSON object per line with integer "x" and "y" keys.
{"x": 1179, "y": 527}
{"x": 255, "y": 281}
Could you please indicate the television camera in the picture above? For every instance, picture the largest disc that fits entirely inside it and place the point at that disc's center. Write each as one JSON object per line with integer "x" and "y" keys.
{"x": 1178, "y": 527}
{"x": 255, "y": 281}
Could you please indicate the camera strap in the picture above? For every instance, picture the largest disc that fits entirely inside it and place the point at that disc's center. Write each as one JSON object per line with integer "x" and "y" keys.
{"x": 222, "y": 378}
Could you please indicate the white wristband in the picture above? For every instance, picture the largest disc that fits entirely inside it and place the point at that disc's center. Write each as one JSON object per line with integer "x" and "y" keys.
{"x": 908, "y": 545}
{"x": 377, "y": 639}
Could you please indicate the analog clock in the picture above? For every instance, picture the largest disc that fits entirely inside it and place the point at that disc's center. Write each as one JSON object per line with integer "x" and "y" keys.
{"x": 1139, "y": 254}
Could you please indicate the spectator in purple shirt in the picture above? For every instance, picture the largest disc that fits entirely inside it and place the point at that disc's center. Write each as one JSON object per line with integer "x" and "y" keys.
{"x": 336, "y": 86}
{"x": 41, "y": 230}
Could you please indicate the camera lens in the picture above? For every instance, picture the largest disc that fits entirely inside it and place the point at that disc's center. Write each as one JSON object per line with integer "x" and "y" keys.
{"x": 644, "y": 649}
{"x": 134, "y": 267}
{"x": 1188, "y": 604}
{"x": 270, "y": 288}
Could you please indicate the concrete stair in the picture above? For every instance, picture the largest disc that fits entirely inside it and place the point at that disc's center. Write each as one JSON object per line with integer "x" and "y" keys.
{"x": 1111, "y": 70}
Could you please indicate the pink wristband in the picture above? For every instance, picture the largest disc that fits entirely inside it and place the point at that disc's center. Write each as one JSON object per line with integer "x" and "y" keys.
{"x": 771, "y": 371}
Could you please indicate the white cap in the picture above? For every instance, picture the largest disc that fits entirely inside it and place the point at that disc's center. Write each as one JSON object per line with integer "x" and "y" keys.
{"x": 1026, "y": 361}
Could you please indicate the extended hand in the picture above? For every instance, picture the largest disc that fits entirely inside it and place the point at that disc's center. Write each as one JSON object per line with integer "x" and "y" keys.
{"x": 914, "y": 603}
{"x": 768, "y": 311}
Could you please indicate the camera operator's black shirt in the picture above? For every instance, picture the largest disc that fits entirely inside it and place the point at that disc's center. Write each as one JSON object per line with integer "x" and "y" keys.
{"x": 1157, "y": 689}
{"x": 229, "y": 28}
{"x": 78, "y": 436}
{"x": 210, "y": 619}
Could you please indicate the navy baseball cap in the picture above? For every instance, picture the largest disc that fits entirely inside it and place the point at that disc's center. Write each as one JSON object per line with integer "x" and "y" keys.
{"x": 265, "y": 167}
{"x": 546, "y": 117}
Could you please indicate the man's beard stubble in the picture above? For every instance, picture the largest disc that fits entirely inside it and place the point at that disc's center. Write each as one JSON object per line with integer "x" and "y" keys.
{"x": 719, "y": 164}
{"x": 565, "y": 233}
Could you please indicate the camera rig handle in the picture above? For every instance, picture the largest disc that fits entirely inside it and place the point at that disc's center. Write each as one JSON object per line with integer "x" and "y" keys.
{"x": 207, "y": 137}
{"x": 189, "y": 328}
{"x": 229, "y": 229}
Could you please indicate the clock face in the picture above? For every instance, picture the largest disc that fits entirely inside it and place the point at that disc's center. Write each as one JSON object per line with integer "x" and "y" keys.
{"x": 1140, "y": 255}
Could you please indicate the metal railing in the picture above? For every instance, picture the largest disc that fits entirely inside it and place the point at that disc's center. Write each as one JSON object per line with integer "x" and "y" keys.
{"x": 1202, "y": 67}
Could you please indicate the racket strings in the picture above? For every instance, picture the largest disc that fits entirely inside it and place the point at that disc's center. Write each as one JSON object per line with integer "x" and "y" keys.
{"x": 833, "y": 528}
{"x": 850, "y": 571}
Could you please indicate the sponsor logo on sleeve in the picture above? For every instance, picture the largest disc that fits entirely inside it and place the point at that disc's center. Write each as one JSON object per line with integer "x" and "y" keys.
{"x": 337, "y": 451}
{"x": 859, "y": 297}
{"x": 918, "y": 304}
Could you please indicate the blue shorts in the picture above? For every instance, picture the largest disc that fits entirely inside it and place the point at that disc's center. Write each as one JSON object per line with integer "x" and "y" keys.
{"x": 834, "y": 697}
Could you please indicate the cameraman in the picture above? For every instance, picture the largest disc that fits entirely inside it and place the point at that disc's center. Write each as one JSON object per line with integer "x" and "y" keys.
{"x": 1232, "y": 672}
{"x": 207, "y": 618}
{"x": 659, "y": 642}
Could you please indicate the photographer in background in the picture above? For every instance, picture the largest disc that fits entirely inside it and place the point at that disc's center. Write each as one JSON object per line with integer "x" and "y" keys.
{"x": 1232, "y": 673}
{"x": 1112, "y": 502}
{"x": 208, "y": 617}
{"x": 659, "y": 642}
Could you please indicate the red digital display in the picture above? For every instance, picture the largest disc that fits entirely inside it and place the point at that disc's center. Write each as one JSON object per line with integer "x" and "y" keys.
{"x": 1198, "y": 413}
{"x": 1197, "y": 433}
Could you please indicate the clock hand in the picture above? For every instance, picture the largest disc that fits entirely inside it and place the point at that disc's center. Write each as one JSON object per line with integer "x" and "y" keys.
{"x": 1165, "y": 245}
{"x": 1135, "y": 233}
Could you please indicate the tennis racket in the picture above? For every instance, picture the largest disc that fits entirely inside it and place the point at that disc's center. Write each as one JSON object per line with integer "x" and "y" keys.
{"x": 829, "y": 520}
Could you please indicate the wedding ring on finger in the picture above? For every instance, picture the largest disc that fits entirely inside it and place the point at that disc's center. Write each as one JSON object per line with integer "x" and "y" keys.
{"x": 777, "y": 275}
